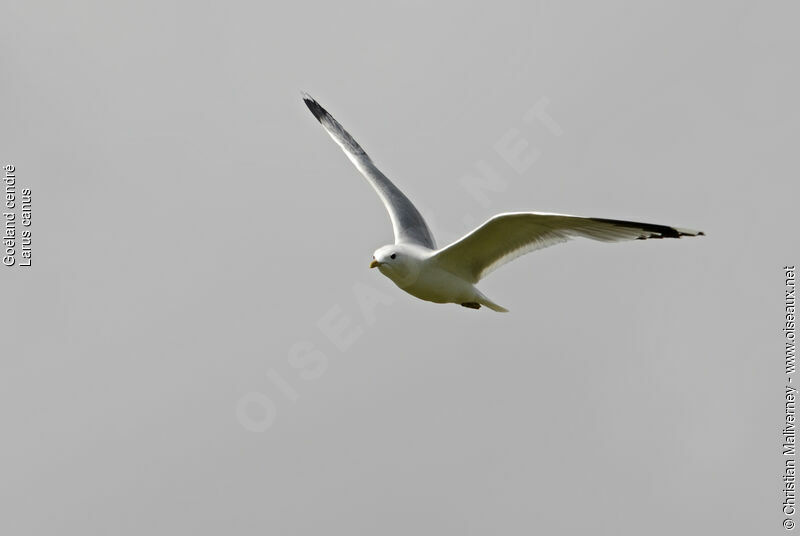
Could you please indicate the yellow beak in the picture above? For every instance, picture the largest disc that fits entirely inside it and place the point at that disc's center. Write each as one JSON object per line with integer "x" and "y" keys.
{"x": 374, "y": 264}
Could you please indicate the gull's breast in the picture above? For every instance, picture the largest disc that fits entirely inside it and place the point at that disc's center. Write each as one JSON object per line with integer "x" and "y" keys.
{"x": 436, "y": 285}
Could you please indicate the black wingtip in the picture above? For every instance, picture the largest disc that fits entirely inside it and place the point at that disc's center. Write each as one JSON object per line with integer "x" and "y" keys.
{"x": 318, "y": 111}
{"x": 652, "y": 230}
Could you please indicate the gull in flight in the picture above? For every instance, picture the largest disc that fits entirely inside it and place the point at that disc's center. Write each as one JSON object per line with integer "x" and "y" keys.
{"x": 449, "y": 274}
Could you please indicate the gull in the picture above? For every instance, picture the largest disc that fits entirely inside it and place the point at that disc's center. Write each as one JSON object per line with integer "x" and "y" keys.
{"x": 449, "y": 274}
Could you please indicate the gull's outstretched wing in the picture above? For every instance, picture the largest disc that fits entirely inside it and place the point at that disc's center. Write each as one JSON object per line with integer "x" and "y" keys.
{"x": 507, "y": 236}
{"x": 408, "y": 224}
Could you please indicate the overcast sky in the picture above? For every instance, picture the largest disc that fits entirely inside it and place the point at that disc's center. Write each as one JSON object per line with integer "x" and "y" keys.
{"x": 199, "y": 346}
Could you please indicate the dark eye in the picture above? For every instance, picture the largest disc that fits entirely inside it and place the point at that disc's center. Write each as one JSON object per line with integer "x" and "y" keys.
{"x": 393, "y": 255}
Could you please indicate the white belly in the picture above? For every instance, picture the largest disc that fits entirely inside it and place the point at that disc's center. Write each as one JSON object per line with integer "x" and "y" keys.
{"x": 439, "y": 286}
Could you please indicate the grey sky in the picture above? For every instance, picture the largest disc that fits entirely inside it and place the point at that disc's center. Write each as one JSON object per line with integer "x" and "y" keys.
{"x": 194, "y": 227}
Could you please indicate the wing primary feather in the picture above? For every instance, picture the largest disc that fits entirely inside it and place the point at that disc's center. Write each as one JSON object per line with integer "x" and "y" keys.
{"x": 654, "y": 230}
{"x": 328, "y": 121}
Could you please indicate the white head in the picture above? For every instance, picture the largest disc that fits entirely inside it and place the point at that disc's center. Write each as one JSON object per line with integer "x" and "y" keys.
{"x": 398, "y": 262}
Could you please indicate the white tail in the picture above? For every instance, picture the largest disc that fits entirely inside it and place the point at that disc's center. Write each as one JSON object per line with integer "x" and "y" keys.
{"x": 483, "y": 300}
